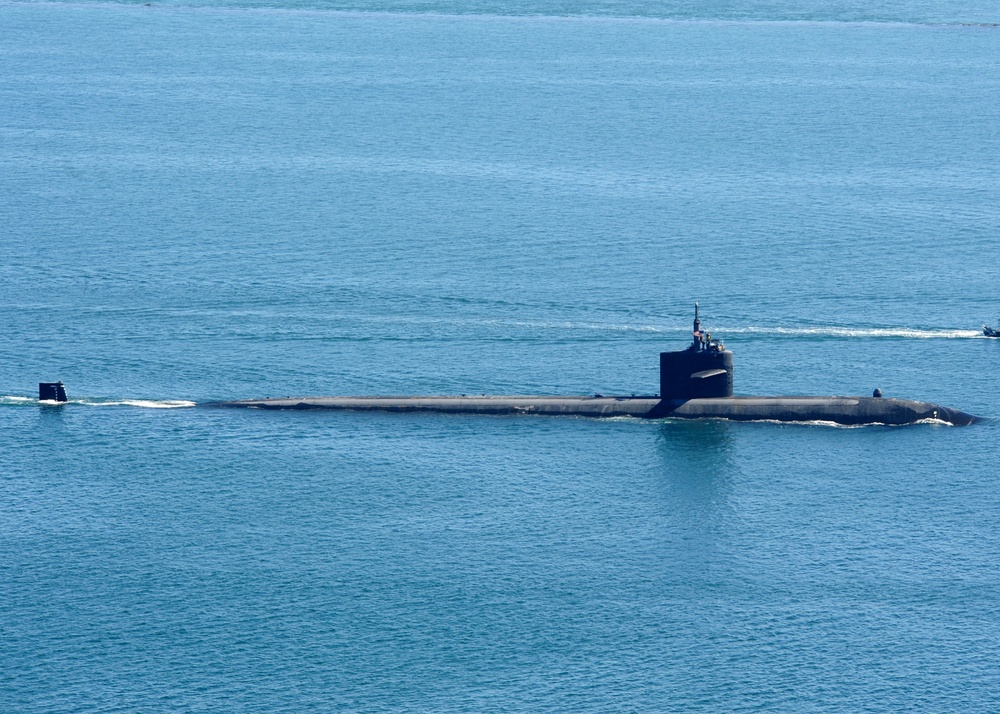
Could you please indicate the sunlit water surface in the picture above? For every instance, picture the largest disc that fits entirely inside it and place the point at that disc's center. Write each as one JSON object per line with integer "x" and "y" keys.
{"x": 224, "y": 200}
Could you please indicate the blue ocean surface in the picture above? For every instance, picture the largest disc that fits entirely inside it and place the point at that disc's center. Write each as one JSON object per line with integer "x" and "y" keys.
{"x": 216, "y": 200}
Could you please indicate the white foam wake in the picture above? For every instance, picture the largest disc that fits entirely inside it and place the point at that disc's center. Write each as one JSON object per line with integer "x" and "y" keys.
{"x": 142, "y": 403}
{"x": 837, "y": 425}
{"x": 722, "y": 330}
{"x": 16, "y": 400}
{"x": 13, "y": 400}
{"x": 896, "y": 332}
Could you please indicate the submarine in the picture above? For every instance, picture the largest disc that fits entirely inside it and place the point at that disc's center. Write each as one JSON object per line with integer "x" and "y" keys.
{"x": 695, "y": 383}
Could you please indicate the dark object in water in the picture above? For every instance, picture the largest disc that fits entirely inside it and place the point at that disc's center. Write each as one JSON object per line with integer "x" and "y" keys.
{"x": 992, "y": 331}
{"x": 51, "y": 392}
{"x": 695, "y": 383}
{"x": 838, "y": 410}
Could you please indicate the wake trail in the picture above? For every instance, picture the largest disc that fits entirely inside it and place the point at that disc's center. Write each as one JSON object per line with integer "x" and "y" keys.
{"x": 851, "y": 332}
{"x": 721, "y": 331}
{"x": 19, "y": 401}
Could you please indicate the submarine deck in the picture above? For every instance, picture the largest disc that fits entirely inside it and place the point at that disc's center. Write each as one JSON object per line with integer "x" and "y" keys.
{"x": 840, "y": 410}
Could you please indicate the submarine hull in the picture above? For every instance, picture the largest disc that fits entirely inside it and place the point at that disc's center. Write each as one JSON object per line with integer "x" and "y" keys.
{"x": 695, "y": 383}
{"x": 838, "y": 410}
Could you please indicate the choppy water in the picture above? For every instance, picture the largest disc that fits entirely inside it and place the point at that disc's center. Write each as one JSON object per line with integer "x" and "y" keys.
{"x": 221, "y": 200}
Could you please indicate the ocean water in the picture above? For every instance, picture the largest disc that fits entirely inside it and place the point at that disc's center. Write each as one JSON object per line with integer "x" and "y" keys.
{"x": 212, "y": 200}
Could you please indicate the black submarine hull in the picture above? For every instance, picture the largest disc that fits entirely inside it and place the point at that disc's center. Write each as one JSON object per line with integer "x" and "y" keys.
{"x": 695, "y": 383}
{"x": 838, "y": 410}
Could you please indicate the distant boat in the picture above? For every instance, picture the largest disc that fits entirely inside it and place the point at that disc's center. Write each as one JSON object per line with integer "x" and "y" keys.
{"x": 992, "y": 331}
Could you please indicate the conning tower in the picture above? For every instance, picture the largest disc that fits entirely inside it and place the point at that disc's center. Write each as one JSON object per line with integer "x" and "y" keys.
{"x": 705, "y": 369}
{"x": 51, "y": 392}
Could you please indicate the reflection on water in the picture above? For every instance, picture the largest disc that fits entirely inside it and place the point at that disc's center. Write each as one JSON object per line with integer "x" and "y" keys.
{"x": 696, "y": 456}
{"x": 52, "y": 416}
{"x": 695, "y": 482}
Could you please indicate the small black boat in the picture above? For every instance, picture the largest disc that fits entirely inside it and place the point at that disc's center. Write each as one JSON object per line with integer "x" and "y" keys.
{"x": 992, "y": 331}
